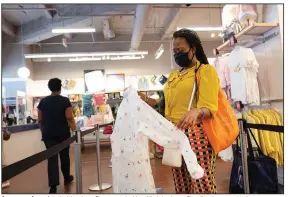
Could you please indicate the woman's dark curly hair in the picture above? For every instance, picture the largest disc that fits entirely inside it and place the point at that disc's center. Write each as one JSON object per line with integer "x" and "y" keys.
{"x": 193, "y": 40}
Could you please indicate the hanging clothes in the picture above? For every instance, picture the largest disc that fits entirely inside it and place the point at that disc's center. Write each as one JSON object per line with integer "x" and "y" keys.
{"x": 222, "y": 68}
{"x": 271, "y": 143}
{"x": 143, "y": 84}
{"x": 135, "y": 123}
{"x": 247, "y": 14}
{"x": 87, "y": 105}
{"x": 243, "y": 68}
{"x": 99, "y": 99}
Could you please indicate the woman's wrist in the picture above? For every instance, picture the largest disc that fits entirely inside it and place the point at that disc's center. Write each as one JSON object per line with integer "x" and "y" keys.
{"x": 201, "y": 114}
{"x": 204, "y": 113}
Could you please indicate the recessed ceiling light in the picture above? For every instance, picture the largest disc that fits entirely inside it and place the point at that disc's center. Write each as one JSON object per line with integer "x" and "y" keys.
{"x": 73, "y": 55}
{"x": 74, "y": 30}
{"x": 212, "y": 35}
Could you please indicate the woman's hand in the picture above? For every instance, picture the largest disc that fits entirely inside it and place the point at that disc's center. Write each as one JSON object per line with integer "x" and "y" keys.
{"x": 190, "y": 119}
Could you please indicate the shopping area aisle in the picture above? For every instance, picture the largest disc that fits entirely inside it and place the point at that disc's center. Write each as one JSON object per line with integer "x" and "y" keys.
{"x": 35, "y": 181}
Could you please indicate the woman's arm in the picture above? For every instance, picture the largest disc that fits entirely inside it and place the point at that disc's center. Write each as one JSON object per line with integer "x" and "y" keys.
{"x": 70, "y": 118}
{"x": 40, "y": 119}
{"x": 148, "y": 100}
{"x": 208, "y": 91}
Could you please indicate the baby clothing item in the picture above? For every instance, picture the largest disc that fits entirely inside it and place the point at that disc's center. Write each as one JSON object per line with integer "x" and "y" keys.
{"x": 222, "y": 68}
{"x": 247, "y": 14}
{"x": 143, "y": 84}
{"x": 243, "y": 74}
{"x": 87, "y": 105}
{"x": 80, "y": 123}
{"x": 135, "y": 123}
{"x": 99, "y": 99}
{"x": 76, "y": 111}
{"x": 229, "y": 14}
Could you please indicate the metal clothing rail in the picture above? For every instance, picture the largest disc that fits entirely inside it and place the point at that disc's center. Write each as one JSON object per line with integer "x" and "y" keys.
{"x": 16, "y": 168}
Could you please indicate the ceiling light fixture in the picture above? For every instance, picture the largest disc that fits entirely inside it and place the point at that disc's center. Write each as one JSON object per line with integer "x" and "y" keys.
{"x": 159, "y": 51}
{"x": 126, "y": 58}
{"x": 203, "y": 28}
{"x": 84, "y": 59}
{"x": 212, "y": 35}
{"x": 73, "y": 30}
{"x": 73, "y": 55}
{"x": 23, "y": 73}
{"x": 49, "y": 60}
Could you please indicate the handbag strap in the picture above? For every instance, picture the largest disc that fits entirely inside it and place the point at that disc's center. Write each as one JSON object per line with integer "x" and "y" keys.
{"x": 194, "y": 91}
{"x": 258, "y": 147}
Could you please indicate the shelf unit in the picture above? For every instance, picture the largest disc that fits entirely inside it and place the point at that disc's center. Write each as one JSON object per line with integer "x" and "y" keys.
{"x": 251, "y": 35}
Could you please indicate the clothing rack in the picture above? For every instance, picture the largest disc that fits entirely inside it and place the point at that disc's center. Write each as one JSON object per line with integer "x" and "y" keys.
{"x": 243, "y": 126}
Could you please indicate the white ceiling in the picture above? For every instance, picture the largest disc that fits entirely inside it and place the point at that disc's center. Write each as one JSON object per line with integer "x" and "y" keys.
{"x": 195, "y": 15}
{"x": 21, "y": 17}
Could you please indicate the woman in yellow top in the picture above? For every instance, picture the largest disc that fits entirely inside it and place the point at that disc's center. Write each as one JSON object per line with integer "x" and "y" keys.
{"x": 190, "y": 56}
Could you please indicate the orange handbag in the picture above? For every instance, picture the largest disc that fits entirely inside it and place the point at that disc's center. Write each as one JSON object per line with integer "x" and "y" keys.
{"x": 221, "y": 130}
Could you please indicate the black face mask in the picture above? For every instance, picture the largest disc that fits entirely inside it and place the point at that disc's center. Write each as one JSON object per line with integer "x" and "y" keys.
{"x": 182, "y": 59}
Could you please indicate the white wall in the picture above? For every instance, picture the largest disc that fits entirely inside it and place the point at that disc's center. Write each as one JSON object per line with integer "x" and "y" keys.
{"x": 22, "y": 145}
{"x": 270, "y": 58}
{"x": 40, "y": 87}
{"x": 147, "y": 66}
{"x": 11, "y": 60}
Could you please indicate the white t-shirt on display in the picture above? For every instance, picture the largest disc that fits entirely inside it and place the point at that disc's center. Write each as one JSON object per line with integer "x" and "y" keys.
{"x": 237, "y": 75}
{"x": 243, "y": 76}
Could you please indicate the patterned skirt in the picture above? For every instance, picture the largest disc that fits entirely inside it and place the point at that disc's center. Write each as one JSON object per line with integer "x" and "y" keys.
{"x": 206, "y": 157}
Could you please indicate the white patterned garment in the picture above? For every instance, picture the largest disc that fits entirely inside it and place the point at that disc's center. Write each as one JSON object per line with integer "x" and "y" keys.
{"x": 135, "y": 123}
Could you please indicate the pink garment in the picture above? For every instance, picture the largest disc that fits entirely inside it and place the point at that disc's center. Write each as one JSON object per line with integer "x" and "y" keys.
{"x": 222, "y": 68}
{"x": 99, "y": 99}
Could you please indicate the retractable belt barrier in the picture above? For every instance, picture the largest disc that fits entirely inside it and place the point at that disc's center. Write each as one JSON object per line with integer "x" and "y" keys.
{"x": 18, "y": 167}
{"x": 244, "y": 126}
{"x": 265, "y": 127}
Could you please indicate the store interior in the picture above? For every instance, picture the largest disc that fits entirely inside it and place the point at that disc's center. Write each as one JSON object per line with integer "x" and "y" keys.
{"x": 100, "y": 50}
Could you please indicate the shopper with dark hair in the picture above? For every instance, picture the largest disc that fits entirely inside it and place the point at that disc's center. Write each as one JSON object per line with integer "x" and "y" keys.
{"x": 55, "y": 116}
{"x": 189, "y": 55}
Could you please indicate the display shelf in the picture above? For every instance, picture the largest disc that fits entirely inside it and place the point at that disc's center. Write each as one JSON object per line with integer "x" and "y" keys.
{"x": 114, "y": 101}
{"x": 249, "y": 34}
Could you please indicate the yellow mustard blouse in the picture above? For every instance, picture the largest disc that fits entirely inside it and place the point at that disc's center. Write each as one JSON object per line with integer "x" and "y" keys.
{"x": 178, "y": 90}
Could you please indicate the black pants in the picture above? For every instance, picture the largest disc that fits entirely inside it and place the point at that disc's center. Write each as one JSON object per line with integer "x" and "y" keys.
{"x": 53, "y": 163}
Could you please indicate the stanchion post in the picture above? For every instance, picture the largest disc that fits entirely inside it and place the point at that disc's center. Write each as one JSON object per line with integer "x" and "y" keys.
{"x": 100, "y": 186}
{"x": 243, "y": 143}
{"x": 78, "y": 163}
